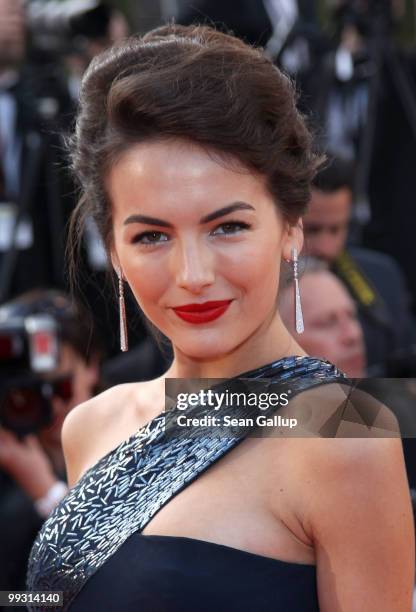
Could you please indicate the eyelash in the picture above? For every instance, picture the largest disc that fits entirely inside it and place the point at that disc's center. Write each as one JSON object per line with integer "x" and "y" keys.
{"x": 139, "y": 238}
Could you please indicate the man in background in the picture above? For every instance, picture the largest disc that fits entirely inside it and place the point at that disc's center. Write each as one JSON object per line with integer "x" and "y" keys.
{"x": 373, "y": 279}
{"x": 332, "y": 330}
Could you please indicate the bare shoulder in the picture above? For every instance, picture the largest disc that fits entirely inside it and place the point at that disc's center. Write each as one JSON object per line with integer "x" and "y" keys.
{"x": 336, "y": 475}
{"x": 98, "y": 425}
{"x": 355, "y": 506}
{"x": 358, "y": 456}
{"x": 96, "y": 411}
{"x": 345, "y": 436}
{"x": 344, "y": 443}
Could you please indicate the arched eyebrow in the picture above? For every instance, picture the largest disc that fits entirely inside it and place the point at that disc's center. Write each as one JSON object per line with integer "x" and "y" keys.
{"x": 221, "y": 212}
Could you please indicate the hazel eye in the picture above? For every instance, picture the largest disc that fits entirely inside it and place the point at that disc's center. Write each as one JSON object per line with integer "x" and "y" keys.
{"x": 232, "y": 227}
{"x": 150, "y": 238}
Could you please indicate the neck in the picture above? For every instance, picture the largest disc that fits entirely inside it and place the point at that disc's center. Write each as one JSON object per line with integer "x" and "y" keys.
{"x": 268, "y": 343}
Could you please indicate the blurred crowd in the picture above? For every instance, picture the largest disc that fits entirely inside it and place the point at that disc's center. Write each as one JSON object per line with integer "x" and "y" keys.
{"x": 357, "y": 87}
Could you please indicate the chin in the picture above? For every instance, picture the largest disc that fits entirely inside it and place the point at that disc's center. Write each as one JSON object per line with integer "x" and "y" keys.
{"x": 210, "y": 347}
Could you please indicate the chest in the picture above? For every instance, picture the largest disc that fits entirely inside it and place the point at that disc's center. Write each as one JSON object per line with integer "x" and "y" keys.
{"x": 236, "y": 503}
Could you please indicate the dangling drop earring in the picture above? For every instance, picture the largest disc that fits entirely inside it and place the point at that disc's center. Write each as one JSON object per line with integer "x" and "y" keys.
{"x": 298, "y": 306}
{"x": 122, "y": 311}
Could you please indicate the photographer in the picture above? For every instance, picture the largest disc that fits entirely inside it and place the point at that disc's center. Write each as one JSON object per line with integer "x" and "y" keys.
{"x": 32, "y": 469}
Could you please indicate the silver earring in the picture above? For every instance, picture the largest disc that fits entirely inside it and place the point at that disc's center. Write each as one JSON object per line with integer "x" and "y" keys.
{"x": 298, "y": 306}
{"x": 122, "y": 310}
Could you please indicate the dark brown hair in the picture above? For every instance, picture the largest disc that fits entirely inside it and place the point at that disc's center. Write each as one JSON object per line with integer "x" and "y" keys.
{"x": 192, "y": 83}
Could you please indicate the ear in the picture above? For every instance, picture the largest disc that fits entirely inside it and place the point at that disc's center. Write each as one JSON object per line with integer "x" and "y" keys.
{"x": 293, "y": 238}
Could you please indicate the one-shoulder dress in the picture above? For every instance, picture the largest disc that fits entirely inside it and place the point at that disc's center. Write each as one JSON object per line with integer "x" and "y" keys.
{"x": 91, "y": 547}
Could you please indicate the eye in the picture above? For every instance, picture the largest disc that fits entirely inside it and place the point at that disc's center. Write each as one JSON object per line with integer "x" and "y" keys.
{"x": 312, "y": 230}
{"x": 231, "y": 227}
{"x": 150, "y": 238}
{"x": 327, "y": 322}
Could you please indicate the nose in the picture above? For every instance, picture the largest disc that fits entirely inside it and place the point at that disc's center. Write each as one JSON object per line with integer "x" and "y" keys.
{"x": 325, "y": 248}
{"x": 193, "y": 266}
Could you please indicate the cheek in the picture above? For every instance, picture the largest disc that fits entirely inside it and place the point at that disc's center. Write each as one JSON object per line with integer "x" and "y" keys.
{"x": 147, "y": 277}
{"x": 257, "y": 271}
{"x": 340, "y": 238}
{"x": 313, "y": 243}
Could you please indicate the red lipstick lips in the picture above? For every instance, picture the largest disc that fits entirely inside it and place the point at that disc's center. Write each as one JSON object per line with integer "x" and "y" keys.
{"x": 202, "y": 313}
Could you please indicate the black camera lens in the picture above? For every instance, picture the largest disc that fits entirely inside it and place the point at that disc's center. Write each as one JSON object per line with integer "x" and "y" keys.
{"x": 24, "y": 407}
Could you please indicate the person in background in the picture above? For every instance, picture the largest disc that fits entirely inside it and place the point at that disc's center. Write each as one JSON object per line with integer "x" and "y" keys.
{"x": 332, "y": 330}
{"x": 32, "y": 470}
{"x": 373, "y": 279}
{"x": 38, "y": 96}
{"x": 34, "y": 192}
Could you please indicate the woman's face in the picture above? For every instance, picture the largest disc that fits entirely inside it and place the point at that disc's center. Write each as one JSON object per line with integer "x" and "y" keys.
{"x": 188, "y": 230}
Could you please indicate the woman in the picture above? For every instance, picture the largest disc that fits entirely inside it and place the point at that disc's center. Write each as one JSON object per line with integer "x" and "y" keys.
{"x": 196, "y": 166}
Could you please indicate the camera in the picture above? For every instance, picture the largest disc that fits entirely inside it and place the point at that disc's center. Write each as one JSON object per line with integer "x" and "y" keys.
{"x": 59, "y": 27}
{"x": 28, "y": 353}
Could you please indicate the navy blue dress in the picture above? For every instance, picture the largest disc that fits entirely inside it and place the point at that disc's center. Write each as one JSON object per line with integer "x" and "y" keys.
{"x": 175, "y": 574}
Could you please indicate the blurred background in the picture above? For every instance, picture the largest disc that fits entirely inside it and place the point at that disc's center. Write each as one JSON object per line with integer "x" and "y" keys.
{"x": 354, "y": 65}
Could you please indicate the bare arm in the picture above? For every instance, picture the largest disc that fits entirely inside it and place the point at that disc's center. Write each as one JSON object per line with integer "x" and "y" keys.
{"x": 360, "y": 519}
